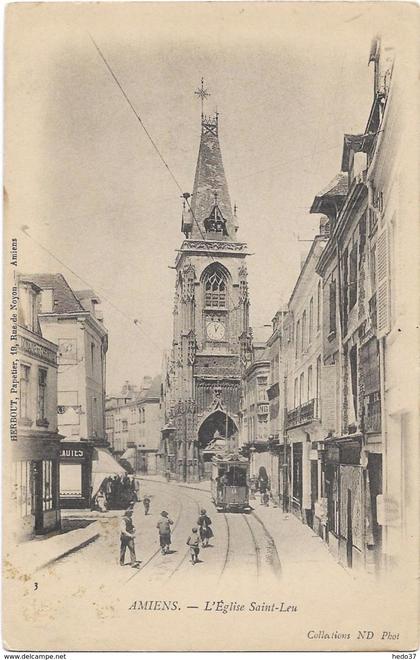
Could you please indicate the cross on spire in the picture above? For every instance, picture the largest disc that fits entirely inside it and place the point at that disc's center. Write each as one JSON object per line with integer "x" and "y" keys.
{"x": 203, "y": 94}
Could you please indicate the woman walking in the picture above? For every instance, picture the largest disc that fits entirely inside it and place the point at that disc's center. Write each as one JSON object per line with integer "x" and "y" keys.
{"x": 206, "y": 531}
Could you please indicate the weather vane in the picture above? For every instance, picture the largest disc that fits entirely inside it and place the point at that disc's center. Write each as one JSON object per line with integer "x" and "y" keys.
{"x": 202, "y": 93}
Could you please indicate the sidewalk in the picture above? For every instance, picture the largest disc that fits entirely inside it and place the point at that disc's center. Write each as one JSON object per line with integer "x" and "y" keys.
{"x": 79, "y": 528}
{"x": 300, "y": 549}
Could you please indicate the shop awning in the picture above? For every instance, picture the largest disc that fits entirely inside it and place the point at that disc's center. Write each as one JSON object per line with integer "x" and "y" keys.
{"x": 103, "y": 465}
{"x": 129, "y": 454}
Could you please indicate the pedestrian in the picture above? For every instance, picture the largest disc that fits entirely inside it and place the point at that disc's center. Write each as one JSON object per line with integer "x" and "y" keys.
{"x": 137, "y": 488}
{"x": 265, "y": 498}
{"x": 146, "y": 504}
{"x": 127, "y": 537}
{"x": 206, "y": 531}
{"x": 164, "y": 527}
{"x": 194, "y": 542}
{"x": 101, "y": 501}
{"x": 168, "y": 476}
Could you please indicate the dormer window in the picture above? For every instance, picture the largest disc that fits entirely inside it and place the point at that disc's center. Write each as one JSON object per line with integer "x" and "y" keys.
{"x": 216, "y": 222}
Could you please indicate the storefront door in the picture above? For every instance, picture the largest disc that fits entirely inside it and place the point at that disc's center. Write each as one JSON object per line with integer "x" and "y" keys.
{"x": 297, "y": 476}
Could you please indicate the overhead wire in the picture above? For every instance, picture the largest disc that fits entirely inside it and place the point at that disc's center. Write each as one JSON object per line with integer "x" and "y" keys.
{"x": 152, "y": 141}
{"x": 136, "y": 322}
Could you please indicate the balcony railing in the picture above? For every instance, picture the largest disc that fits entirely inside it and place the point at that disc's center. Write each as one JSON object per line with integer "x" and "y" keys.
{"x": 372, "y": 413}
{"x": 301, "y": 415}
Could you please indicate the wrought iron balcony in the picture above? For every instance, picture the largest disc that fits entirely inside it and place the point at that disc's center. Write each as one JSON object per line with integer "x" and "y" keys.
{"x": 301, "y": 415}
{"x": 372, "y": 412}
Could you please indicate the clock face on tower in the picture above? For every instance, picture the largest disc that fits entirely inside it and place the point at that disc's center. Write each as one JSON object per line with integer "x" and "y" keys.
{"x": 215, "y": 330}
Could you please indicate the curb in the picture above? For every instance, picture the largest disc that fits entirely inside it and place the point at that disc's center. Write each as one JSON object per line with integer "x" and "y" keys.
{"x": 82, "y": 544}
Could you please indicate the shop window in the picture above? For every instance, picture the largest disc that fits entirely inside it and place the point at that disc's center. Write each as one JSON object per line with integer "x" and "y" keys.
{"x": 332, "y": 484}
{"x": 42, "y": 390}
{"x": 22, "y": 488}
{"x": 70, "y": 480}
{"x": 47, "y": 486}
{"x": 25, "y": 372}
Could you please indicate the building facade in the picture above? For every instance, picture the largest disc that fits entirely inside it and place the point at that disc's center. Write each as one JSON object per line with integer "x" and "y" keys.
{"x": 133, "y": 421}
{"x": 36, "y": 443}
{"x": 70, "y": 320}
{"x": 211, "y": 337}
{"x": 254, "y": 414}
{"x": 355, "y": 270}
{"x": 303, "y": 370}
{"x": 393, "y": 251}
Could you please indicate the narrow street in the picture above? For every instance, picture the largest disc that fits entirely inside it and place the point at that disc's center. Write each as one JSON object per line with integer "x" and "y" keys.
{"x": 239, "y": 540}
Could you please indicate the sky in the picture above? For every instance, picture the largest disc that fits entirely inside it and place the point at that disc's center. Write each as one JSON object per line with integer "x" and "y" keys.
{"x": 82, "y": 176}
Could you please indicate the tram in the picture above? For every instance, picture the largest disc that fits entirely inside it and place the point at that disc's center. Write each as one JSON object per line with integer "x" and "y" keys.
{"x": 230, "y": 482}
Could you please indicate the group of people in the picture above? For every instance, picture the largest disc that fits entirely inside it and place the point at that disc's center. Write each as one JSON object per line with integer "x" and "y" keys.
{"x": 261, "y": 484}
{"x": 200, "y": 534}
{"x": 116, "y": 493}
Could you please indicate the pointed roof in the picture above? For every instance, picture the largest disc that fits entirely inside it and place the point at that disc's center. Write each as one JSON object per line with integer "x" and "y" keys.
{"x": 65, "y": 300}
{"x": 210, "y": 198}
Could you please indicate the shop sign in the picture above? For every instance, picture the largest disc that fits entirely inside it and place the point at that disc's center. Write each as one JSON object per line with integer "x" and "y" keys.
{"x": 37, "y": 351}
{"x": 72, "y": 453}
{"x": 333, "y": 455}
{"x": 388, "y": 511}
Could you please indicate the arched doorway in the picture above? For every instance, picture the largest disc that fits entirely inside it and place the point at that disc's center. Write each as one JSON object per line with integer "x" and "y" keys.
{"x": 213, "y": 437}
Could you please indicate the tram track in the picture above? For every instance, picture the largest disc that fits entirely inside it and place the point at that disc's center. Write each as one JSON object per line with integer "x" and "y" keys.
{"x": 265, "y": 552}
{"x": 158, "y": 551}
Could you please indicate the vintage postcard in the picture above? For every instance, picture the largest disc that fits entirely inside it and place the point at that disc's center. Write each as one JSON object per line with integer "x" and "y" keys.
{"x": 211, "y": 311}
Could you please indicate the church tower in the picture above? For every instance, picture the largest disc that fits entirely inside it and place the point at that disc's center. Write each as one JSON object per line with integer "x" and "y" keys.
{"x": 211, "y": 336}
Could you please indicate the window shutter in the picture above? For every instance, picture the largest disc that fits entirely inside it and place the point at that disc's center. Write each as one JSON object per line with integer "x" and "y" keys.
{"x": 382, "y": 282}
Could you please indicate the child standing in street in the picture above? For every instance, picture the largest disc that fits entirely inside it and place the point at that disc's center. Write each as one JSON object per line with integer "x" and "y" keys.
{"x": 194, "y": 542}
{"x": 146, "y": 504}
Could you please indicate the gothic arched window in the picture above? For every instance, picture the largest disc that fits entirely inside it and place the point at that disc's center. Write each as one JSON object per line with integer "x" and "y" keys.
{"x": 215, "y": 289}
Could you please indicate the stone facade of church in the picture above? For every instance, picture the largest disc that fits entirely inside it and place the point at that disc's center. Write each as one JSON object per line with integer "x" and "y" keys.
{"x": 211, "y": 335}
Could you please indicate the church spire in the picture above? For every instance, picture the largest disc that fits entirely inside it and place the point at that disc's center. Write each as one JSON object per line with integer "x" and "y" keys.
{"x": 211, "y": 208}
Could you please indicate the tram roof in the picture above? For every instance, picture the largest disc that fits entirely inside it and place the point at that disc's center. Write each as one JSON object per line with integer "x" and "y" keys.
{"x": 230, "y": 458}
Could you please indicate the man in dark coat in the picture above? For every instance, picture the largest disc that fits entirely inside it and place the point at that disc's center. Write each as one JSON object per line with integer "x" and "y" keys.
{"x": 127, "y": 536}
